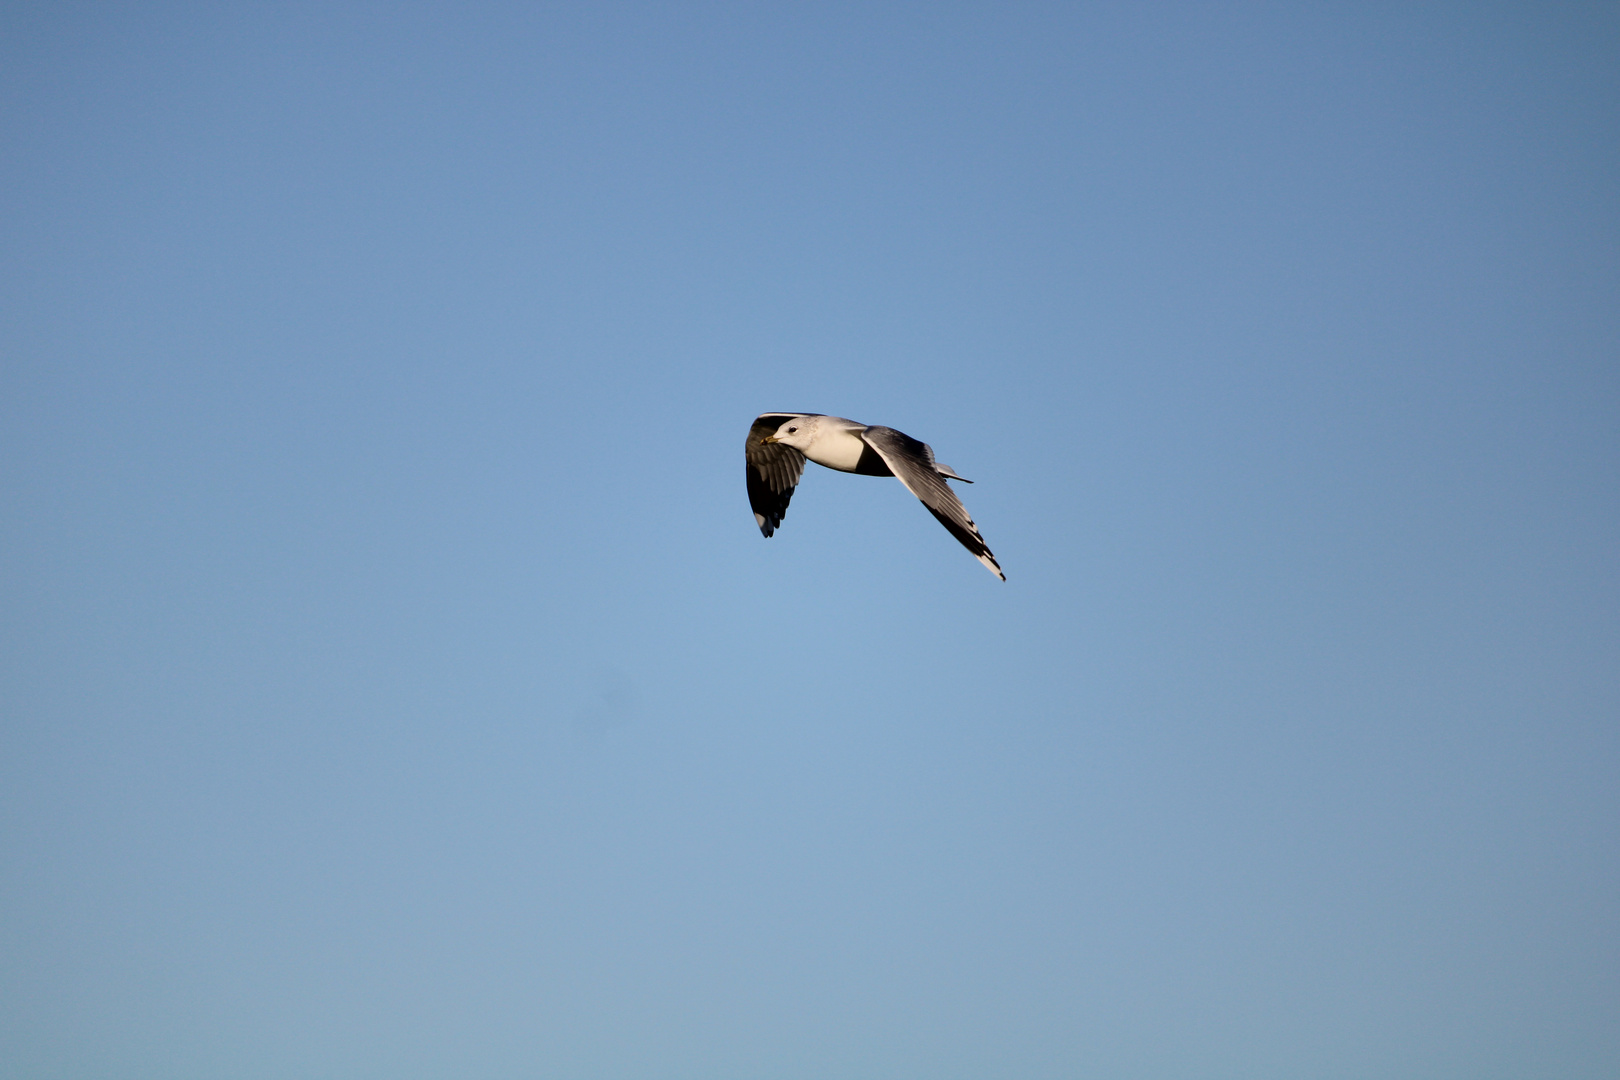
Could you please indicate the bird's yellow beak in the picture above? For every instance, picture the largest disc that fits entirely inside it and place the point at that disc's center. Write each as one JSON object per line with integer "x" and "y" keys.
{"x": 770, "y": 438}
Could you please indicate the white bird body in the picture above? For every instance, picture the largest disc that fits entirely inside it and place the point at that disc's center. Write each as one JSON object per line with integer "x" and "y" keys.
{"x": 828, "y": 440}
{"x": 834, "y": 442}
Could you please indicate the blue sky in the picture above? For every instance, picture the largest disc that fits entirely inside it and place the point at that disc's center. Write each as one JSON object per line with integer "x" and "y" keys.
{"x": 393, "y": 682}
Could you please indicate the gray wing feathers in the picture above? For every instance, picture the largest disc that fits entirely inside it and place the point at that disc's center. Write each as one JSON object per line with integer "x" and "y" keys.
{"x": 912, "y": 462}
{"x": 773, "y": 471}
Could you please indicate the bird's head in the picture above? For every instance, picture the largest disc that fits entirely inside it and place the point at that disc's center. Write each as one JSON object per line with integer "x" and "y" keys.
{"x": 796, "y": 433}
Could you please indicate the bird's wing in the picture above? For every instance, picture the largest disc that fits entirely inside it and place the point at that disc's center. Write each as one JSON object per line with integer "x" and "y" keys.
{"x": 773, "y": 471}
{"x": 912, "y": 462}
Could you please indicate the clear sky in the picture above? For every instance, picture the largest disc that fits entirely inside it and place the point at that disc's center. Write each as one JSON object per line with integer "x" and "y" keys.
{"x": 394, "y": 684}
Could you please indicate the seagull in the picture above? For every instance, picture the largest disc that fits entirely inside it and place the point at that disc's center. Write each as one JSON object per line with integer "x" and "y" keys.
{"x": 778, "y": 443}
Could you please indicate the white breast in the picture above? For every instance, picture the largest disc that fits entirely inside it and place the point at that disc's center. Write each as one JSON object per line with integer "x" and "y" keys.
{"x": 837, "y": 443}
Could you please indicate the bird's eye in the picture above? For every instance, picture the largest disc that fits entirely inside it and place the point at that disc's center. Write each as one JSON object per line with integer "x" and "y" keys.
{"x": 791, "y": 430}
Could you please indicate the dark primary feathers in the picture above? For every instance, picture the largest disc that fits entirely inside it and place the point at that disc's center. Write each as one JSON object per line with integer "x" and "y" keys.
{"x": 913, "y": 464}
{"x": 773, "y": 471}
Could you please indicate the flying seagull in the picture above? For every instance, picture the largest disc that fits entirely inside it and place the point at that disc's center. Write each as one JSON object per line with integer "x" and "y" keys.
{"x": 778, "y": 443}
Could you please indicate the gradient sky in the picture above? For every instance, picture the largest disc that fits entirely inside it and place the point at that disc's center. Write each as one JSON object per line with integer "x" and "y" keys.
{"x": 393, "y": 683}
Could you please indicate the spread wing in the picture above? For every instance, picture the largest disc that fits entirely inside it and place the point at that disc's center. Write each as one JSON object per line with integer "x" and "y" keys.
{"x": 773, "y": 471}
{"x": 912, "y": 462}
